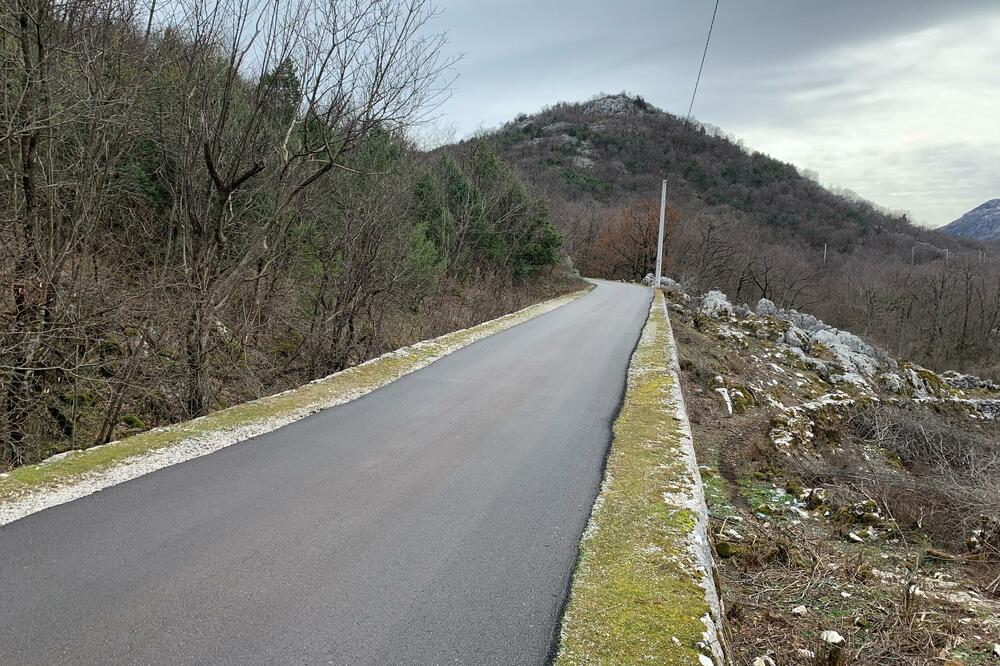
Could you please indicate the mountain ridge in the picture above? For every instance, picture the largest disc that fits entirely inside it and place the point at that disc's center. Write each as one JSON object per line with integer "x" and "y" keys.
{"x": 981, "y": 223}
{"x": 615, "y": 148}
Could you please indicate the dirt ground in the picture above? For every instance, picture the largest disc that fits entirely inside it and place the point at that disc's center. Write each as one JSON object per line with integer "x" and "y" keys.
{"x": 832, "y": 547}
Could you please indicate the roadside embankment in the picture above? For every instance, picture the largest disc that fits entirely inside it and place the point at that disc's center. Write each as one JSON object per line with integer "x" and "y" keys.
{"x": 644, "y": 589}
{"x": 76, "y": 474}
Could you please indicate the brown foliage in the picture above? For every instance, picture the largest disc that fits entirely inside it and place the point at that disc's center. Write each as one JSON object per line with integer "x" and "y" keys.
{"x": 625, "y": 246}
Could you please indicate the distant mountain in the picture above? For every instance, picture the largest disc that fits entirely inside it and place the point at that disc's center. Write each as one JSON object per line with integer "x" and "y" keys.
{"x": 981, "y": 223}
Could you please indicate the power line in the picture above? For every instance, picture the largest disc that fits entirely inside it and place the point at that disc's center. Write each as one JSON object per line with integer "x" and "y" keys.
{"x": 704, "y": 54}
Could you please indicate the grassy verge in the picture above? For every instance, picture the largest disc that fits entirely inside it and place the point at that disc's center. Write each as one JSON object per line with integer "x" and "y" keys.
{"x": 636, "y": 595}
{"x": 251, "y": 418}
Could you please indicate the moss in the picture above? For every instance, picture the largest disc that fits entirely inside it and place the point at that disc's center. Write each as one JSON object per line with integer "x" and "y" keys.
{"x": 335, "y": 389}
{"x": 635, "y": 596}
{"x": 741, "y": 399}
{"x": 133, "y": 421}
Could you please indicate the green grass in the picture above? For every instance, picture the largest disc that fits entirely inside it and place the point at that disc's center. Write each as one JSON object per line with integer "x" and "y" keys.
{"x": 335, "y": 389}
{"x": 635, "y": 596}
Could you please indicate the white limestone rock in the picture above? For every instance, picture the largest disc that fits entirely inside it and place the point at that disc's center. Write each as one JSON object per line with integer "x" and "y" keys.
{"x": 766, "y": 307}
{"x": 715, "y": 304}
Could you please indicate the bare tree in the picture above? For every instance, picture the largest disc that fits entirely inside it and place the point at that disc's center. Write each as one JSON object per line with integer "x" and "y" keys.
{"x": 334, "y": 73}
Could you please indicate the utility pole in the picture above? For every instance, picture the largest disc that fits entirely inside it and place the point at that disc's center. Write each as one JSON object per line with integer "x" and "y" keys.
{"x": 659, "y": 237}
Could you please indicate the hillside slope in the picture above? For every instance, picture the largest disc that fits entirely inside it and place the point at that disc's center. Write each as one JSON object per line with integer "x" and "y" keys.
{"x": 754, "y": 227}
{"x": 841, "y": 482}
{"x": 981, "y": 223}
{"x": 616, "y": 148}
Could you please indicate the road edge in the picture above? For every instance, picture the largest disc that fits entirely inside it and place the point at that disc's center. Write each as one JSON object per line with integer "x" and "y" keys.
{"x": 644, "y": 588}
{"x": 75, "y": 474}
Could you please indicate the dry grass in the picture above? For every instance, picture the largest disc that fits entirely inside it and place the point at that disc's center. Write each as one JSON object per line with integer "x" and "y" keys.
{"x": 911, "y": 594}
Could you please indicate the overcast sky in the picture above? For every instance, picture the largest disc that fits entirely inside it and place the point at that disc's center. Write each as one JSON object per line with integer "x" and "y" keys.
{"x": 898, "y": 100}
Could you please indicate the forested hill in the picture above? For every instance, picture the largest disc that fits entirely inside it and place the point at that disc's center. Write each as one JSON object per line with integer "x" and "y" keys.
{"x": 617, "y": 148}
{"x": 753, "y": 226}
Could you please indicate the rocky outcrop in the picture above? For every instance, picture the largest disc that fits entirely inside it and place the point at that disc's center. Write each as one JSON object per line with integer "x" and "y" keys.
{"x": 840, "y": 358}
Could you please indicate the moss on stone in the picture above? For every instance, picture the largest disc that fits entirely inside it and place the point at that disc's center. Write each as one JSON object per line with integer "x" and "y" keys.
{"x": 635, "y": 596}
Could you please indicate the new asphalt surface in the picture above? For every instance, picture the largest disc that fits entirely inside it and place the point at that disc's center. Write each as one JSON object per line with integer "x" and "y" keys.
{"x": 434, "y": 521}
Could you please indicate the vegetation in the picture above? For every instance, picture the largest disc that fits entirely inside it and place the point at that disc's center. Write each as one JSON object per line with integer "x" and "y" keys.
{"x": 206, "y": 202}
{"x": 880, "y": 524}
{"x": 236, "y": 423}
{"x": 756, "y": 227}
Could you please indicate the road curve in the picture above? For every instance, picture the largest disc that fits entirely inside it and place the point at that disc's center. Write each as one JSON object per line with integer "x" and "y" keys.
{"x": 434, "y": 521}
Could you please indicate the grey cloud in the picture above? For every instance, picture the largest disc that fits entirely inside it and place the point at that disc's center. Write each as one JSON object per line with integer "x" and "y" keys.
{"x": 781, "y": 74}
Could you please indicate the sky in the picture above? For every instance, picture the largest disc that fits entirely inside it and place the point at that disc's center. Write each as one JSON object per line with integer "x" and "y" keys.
{"x": 897, "y": 100}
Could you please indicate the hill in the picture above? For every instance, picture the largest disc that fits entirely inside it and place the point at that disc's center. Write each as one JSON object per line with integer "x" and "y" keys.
{"x": 617, "y": 147}
{"x": 981, "y": 223}
{"x": 753, "y": 226}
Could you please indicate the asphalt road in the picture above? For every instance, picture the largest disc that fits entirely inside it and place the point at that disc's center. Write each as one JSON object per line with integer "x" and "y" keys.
{"x": 434, "y": 521}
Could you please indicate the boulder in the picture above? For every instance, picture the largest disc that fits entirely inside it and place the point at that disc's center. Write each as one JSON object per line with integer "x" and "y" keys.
{"x": 766, "y": 307}
{"x": 796, "y": 337}
{"x": 854, "y": 354}
{"x": 671, "y": 285}
{"x": 715, "y": 304}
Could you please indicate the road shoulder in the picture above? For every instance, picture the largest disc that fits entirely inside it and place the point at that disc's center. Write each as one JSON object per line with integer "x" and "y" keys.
{"x": 643, "y": 590}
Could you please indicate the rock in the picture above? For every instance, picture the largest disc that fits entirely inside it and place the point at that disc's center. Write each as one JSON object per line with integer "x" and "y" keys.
{"x": 671, "y": 286}
{"x": 715, "y": 304}
{"x": 985, "y": 537}
{"x": 800, "y": 611}
{"x": 615, "y": 105}
{"x": 831, "y": 650}
{"x": 741, "y": 399}
{"x": 764, "y": 661}
{"x": 832, "y": 637}
{"x": 855, "y": 538}
{"x": 858, "y": 358}
{"x": 892, "y": 382}
{"x": 766, "y": 307}
{"x": 796, "y": 337}
{"x": 958, "y": 380}
{"x": 996, "y": 649}
{"x": 814, "y": 497}
{"x": 725, "y": 398}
